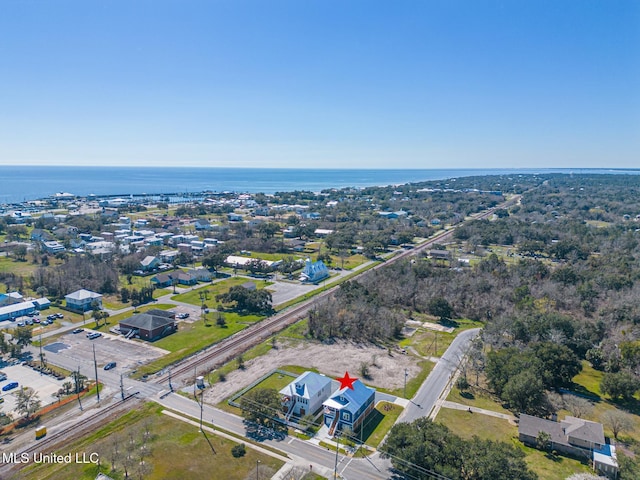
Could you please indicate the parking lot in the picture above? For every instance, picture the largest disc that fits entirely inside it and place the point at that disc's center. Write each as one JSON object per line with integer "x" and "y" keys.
{"x": 44, "y": 385}
{"x": 73, "y": 350}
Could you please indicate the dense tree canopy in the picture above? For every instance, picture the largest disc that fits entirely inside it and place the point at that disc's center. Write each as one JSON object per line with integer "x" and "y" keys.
{"x": 422, "y": 448}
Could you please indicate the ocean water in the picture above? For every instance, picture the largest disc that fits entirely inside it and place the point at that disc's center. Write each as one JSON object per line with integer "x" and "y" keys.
{"x": 20, "y": 183}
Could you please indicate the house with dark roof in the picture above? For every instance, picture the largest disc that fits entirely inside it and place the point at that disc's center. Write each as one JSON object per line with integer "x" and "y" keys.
{"x": 202, "y": 224}
{"x": 151, "y": 325}
{"x": 183, "y": 278}
{"x": 162, "y": 280}
{"x": 305, "y": 394}
{"x": 572, "y": 436}
{"x": 348, "y": 408}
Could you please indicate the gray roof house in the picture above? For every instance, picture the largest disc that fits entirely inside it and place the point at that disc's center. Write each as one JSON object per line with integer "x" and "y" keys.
{"x": 573, "y": 436}
{"x": 151, "y": 325}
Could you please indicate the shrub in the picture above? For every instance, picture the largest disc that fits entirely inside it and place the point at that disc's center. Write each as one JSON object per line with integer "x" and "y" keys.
{"x": 238, "y": 451}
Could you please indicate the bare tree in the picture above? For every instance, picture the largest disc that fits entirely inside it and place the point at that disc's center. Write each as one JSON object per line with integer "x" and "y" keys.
{"x": 617, "y": 421}
{"x": 578, "y": 406}
{"x": 113, "y": 450}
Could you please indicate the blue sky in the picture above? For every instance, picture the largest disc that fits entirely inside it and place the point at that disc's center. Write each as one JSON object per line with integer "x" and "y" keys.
{"x": 321, "y": 83}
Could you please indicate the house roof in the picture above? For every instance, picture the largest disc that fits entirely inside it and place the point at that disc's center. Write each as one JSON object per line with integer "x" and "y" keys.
{"x": 583, "y": 429}
{"x": 82, "y": 294}
{"x": 148, "y": 260}
{"x": 531, "y": 426}
{"x": 306, "y": 385}
{"x": 162, "y": 278}
{"x": 560, "y": 432}
{"x": 350, "y": 400}
{"x": 147, "y": 321}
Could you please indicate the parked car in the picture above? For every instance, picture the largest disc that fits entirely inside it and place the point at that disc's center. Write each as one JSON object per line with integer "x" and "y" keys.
{"x": 10, "y": 386}
{"x": 20, "y": 323}
{"x": 59, "y": 315}
{"x": 77, "y": 330}
{"x": 93, "y": 335}
{"x": 110, "y": 365}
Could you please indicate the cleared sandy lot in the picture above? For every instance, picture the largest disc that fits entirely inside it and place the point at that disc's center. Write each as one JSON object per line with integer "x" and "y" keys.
{"x": 332, "y": 360}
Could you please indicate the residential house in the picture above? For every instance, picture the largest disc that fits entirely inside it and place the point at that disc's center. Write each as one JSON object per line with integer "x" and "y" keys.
{"x": 234, "y": 217}
{"x": 305, "y": 394}
{"x": 53, "y": 247}
{"x": 347, "y": 408}
{"x": 202, "y": 224}
{"x": 572, "y": 436}
{"x": 151, "y": 325}
{"x": 322, "y": 232}
{"x": 201, "y": 274}
{"x": 149, "y": 263}
{"x": 314, "y": 271}
{"x": 39, "y": 235}
{"x": 162, "y": 280}
{"x": 183, "y": 278}
{"x": 168, "y": 256}
{"x": 82, "y": 300}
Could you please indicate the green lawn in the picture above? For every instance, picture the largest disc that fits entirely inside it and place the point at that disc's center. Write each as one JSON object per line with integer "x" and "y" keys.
{"x": 379, "y": 422}
{"x": 588, "y": 380}
{"x": 349, "y": 262}
{"x": 177, "y": 451}
{"x": 23, "y": 269}
{"x": 192, "y": 337}
{"x": 476, "y": 397}
{"x": 550, "y": 467}
{"x": 587, "y": 383}
{"x": 193, "y": 296}
{"x": 467, "y": 425}
{"x": 276, "y": 381}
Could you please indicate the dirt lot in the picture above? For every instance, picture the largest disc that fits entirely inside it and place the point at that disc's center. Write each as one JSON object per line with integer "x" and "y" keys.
{"x": 332, "y": 360}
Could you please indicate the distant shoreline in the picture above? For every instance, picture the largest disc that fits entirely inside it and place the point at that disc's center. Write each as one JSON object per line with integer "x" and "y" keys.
{"x": 29, "y": 183}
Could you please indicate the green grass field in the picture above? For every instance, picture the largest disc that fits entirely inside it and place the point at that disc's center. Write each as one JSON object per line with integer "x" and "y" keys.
{"x": 192, "y": 337}
{"x": 467, "y": 425}
{"x": 177, "y": 450}
{"x": 193, "y": 296}
{"x": 379, "y": 422}
{"x": 476, "y": 397}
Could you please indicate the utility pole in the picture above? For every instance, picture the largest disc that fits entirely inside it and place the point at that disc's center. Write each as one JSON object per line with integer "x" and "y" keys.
{"x": 335, "y": 468}
{"x": 435, "y": 353}
{"x": 41, "y": 356}
{"x": 121, "y": 388}
{"x": 78, "y": 387}
{"x": 95, "y": 366}
{"x": 406, "y": 372}
{"x": 170, "y": 386}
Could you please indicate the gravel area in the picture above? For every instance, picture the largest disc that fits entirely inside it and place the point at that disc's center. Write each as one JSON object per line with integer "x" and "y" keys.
{"x": 332, "y": 360}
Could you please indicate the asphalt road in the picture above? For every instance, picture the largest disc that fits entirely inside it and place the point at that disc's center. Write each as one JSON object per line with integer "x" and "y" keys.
{"x": 428, "y": 394}
{"x": 322, "y": 459}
